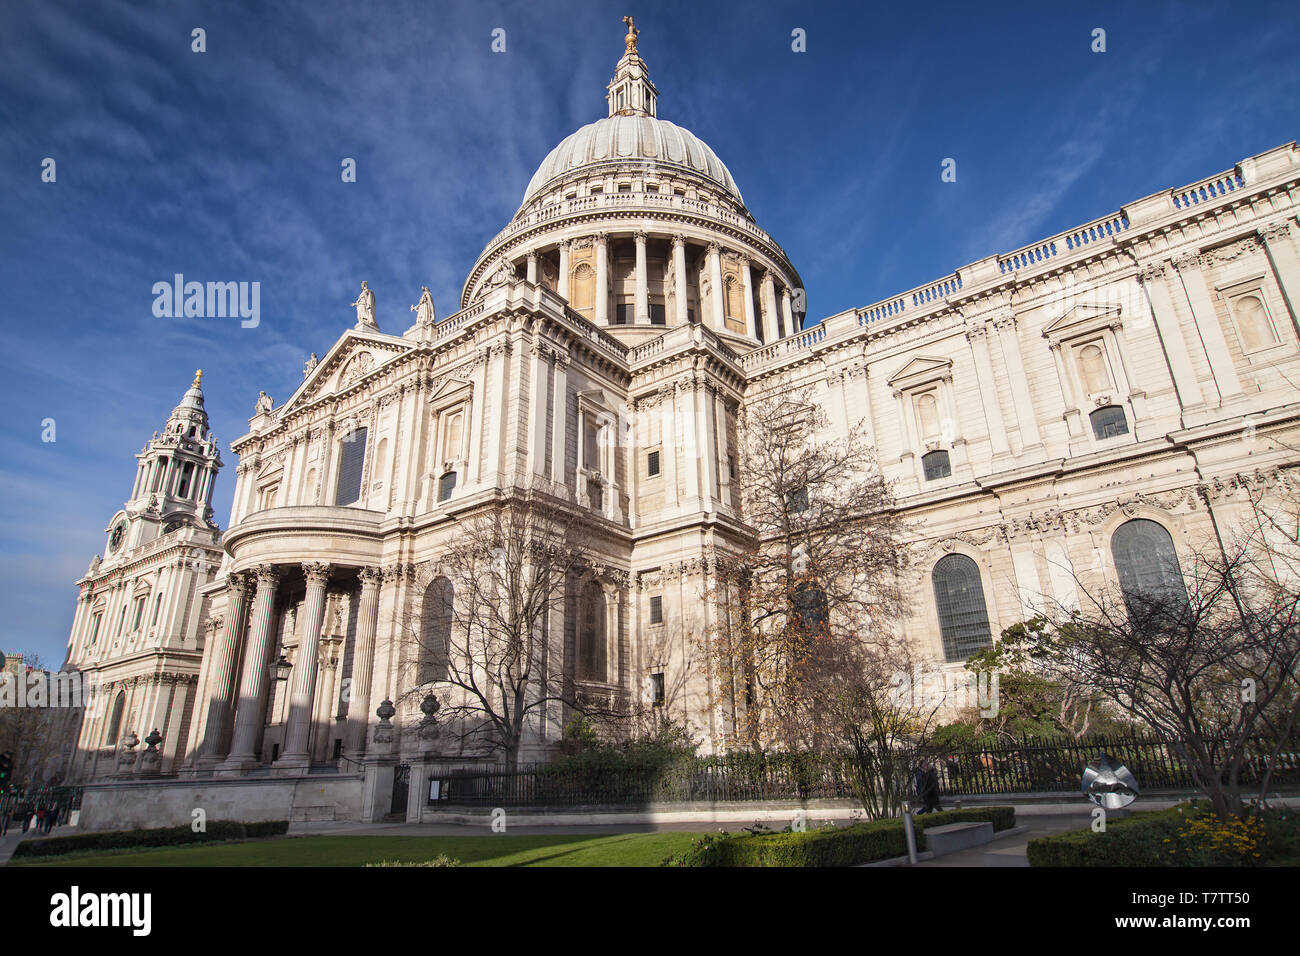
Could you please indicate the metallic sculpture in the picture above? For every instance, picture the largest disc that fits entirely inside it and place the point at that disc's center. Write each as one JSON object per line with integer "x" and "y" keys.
{"x": 1109, "y": 784}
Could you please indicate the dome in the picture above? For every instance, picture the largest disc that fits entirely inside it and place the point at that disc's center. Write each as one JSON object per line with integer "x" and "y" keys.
{"x": 633, "y": 138}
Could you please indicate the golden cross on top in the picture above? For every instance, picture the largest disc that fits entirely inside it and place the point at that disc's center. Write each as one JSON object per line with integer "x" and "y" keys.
{"x": 632, "y": 31}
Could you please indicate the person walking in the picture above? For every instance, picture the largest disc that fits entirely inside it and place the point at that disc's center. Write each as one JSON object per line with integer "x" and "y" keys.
{"x": 929, "y": 788}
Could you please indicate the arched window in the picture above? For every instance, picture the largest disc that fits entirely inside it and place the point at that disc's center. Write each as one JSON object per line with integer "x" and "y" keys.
{"x": 352, "y": 448}
{"x": 115, "y": 721}
{"x": 1252, "y": 321}
{"x": 959, "y": 599}
{"x": 1092, "y": 369}
{"x": 582, "y": 292}
{"x": 446, "y": 485}
{"x": 1108, "y": 422}
{"x": 810, "y": 606}
{"x": 591, "y": 651}
{"x": 936, "y": 465}
{"x": 1146, "y": 563}
{"x": 435, "y": 630}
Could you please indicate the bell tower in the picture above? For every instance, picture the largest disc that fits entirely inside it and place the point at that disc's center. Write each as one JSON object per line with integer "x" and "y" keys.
{"x": 175, "y": 473}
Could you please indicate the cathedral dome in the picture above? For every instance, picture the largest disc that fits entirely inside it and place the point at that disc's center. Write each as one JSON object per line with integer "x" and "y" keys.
{"x": 633, "y": 137}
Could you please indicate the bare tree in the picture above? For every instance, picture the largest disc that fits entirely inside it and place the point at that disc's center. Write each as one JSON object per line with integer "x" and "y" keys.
{"x": 481, "y": 629}
{"x": 818, "y": 575}
{"x": 1210, "y": 662}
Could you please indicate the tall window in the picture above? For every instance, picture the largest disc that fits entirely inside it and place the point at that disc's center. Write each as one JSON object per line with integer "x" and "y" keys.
{"x": 591, "y": 651}
{"x": 1146, "y": 563}
{"x": 936, "y": 465}
{"x": 959, "y": 599}
{"x": 446, "y": 485}
{"x": 435, "y": 637}
{"x": 140, "y": 603}
{"x": 623, "y": 313}
{"x": 353, "y": 449}
{"x": 656, "y": 609}
{"x": 735, "y": 305}
{"x": 95, "y": 623}
{"x": 1108, "y": 422}
{"x": 657, "y": 314}
{"x": 810, "y": 606}
{"x": 115, "y": 721}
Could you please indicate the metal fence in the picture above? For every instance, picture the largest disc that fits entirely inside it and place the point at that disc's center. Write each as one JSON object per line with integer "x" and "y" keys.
{"x": 1037, "y": 766}
{"x": 19, "y": 803}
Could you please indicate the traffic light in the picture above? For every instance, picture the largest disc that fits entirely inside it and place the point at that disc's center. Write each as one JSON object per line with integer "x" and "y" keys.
{"x": 6, "y": 767}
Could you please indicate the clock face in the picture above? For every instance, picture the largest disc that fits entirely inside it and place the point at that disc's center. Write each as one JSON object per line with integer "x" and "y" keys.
{"x": 115, "y": 538}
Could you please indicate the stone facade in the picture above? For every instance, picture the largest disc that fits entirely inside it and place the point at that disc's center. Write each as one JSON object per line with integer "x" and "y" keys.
{"x": 137, "y": 635}
{"x": 1025, "y": 407}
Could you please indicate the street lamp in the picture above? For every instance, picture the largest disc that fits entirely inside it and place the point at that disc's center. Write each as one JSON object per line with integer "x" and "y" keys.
{"x": 280, "y": 668}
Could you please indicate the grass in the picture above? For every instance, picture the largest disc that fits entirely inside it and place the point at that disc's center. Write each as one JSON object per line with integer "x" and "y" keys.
{"x": 620, "y": 849}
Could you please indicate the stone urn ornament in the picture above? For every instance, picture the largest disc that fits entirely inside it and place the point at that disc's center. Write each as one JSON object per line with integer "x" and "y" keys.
{"x": 126, "y": 752}
{"x": 151, "y": 759}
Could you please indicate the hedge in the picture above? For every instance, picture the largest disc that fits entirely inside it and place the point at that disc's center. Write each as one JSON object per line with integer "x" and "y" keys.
{"x": 830, "y": 845}
{"x": 165, "y": 836}
{"x": 1167, "y": 838}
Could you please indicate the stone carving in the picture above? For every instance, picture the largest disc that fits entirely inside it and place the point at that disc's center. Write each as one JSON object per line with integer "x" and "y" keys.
{"x": 361, "y": 365}
{"x": 309, "y": 366}
{"x": 425, "y": 317}
{"x": 365, "y": 306}
{"x": 504, "y": 274}
{"x": 264, "y": 403}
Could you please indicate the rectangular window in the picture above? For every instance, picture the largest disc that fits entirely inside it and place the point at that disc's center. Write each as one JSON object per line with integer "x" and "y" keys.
{"x": 657, "y": 688}
{"x": 796, "y": 500}
{"x": 624, "y": 188}
{"x": 656, "y": 609}
{"x": 353, "y": 449}
{"x": 97, "y": 620}
{"x": 652, "y": 464}
{"x": 657, "y": 314}
{"x": 139, "y": 614}
{"x": 623, "y": 313}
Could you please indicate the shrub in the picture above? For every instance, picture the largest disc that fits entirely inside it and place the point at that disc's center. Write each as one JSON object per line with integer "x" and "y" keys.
{"x": 1189, "y": 835}
{"x": 829, "y": 845}
{"x": 164, "y": 836}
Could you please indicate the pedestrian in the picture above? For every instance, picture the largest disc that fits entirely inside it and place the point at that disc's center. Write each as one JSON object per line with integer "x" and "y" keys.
{"x": 51, "y": 818}
{"x": 918, "y": 782}
{"x": 929, "y": 788}
{"x": 40, "y": 819}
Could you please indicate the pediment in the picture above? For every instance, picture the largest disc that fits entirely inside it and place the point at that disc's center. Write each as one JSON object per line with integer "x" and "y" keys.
{"x": 355, "y": 356}
{"x": 919, "y": 369}
{"x": 596, "y": 398}
{"x": 1082, "y": 319}
{"x": 451, "y": 391}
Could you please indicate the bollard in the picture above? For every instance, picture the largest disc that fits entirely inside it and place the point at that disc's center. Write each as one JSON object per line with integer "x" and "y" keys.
{"x": 911, "y": 835}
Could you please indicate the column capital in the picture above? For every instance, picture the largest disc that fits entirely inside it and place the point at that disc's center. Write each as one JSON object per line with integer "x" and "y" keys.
{"x": 679, "y": 241}
{"x": 640, "y": 237}
{"x": 714, "y": 248}
{"x": 316, "y": 572}
{"x": 240, "y": 582}
{"x": 370, "y": 577}
{"x": 268, "y": 575}
{"x": 1153, "y": 270}
{"x": 1189, "y": 260}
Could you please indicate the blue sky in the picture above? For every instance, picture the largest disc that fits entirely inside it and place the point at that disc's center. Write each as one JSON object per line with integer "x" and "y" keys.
{"x": 225, "y": 166}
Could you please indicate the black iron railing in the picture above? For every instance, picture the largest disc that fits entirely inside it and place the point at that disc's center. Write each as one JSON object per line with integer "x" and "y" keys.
{"x": 1024, "y": 766}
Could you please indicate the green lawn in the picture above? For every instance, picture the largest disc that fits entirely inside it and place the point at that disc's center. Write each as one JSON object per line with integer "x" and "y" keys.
{"x": 623, "y": 849}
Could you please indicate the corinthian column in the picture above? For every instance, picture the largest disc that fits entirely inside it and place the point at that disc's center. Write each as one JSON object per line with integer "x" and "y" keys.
{"x": 225, "y": 657}
{"x": 363, "y": 662}
{"x": 252, "y": 686}
{"x": 642, "y": 316}
{"x": 748, "y": 285}
{"x": 602, "y": 280}
{"x": 298, "y": 732}
{"x": 563, "y": 287}
{"x": 679, "y": 278}
{"x": 715, "y": 280}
